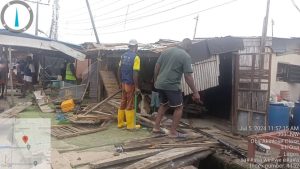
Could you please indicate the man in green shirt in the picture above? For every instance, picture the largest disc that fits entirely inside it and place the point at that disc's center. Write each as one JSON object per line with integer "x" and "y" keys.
{"x": 169, "y": 68}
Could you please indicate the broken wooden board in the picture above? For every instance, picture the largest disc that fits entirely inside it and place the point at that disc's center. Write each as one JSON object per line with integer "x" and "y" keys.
{"x": 14, "y": 111}
{"x": 88, "y": 119}
{"x": 181, "y": 145}
{"x": 84, "y": 158}
{"x": 164, "y": 157}
{"x": 186, "y": 160}
{"x": 110, "y": 82}
{"x": 188, "y": 167}
{"x": 42, "y": 101}
{"x": 123, "y": 158}
{"x": 65, "y": 131}
{"x": 102, "y": 102}
{"x": 58, "y": 162}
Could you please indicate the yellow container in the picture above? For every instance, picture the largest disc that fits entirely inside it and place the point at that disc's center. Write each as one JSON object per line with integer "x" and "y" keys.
{"x": 67, "y": 106}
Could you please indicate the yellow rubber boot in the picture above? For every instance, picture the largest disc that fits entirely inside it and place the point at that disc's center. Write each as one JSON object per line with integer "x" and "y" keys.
{"x": 130, "y": 119}
{"x": 121, "y": 117}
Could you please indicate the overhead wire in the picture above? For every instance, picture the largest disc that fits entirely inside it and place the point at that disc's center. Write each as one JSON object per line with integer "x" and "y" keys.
{"x": 121, "y": 22}
{"x": 170, "y": 20}
{"x": 82, "y": 13}
{"x": 149, "y": 15}
{"x": 76, "y": 10}
{"x": 130, "y": 13}
{"x": 158, "y": 23}
{"x": 107, "y": 13}
{"x": 295, "y": 5}
{"x": 115, "y": 10}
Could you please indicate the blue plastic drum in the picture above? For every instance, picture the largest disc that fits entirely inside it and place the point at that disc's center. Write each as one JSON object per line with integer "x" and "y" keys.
{"x": 278, "y": 117}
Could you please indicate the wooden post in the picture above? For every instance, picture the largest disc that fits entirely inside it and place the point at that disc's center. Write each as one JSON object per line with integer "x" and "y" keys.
{"x": 98, "y": 81}
{"x": 10, "y": 76}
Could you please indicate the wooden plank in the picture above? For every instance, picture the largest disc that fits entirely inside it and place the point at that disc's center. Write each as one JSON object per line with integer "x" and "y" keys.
{"x": 42, "y": 101}
{"x": 72, "y": 131}
{"x": 58, "y": 162}
{"x": 84, "y": 158}
{"x": 188, "y": 167}
{"x": 164, "y": 157}
{"x": 123, "y": 158}
{"x": 102, "y": 102}
{"x": 99, "y": 112}
{"x": 91, "y": 119}
{"x": 185, "y": 161}
{"x": 14, "y": 111}
{"x": 109, "y": 81}
{"x": 181, "y": 145}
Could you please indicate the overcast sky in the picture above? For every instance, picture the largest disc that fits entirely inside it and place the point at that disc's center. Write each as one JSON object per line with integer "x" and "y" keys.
{"x": 151, "y": 20}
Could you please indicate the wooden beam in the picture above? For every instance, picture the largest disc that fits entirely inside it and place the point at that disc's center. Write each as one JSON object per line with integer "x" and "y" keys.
{"x": 14, "y": 111}
{"x": 123, "y": 158}
{"x": 185, "y": 161}
{"x": 102, "y": 102}
{"x": 42, "y": 102}
{"x": 58, "y": 162}
{"x": 182, "y": 145}
{"x": 78, "y": 159}
{"x": 163, "y": 157}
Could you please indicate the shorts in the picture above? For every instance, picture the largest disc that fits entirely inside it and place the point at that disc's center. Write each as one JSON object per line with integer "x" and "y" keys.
{"x": 154, "y": 99}
{"x": 170, "y": 97}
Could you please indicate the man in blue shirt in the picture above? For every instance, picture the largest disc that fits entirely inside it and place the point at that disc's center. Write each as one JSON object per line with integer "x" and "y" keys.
{"x": 128, "y": 75}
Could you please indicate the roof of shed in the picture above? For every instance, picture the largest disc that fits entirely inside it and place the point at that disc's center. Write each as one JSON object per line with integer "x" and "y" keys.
{"x": 30, "y": 42}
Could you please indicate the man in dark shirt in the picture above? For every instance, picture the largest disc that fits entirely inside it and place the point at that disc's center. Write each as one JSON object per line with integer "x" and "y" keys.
{"x": 170, "y": 66}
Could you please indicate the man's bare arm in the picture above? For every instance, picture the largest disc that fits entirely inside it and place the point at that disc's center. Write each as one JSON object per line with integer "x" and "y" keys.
{"x": 190, "y": 81}
{"x": 136, "y": 79}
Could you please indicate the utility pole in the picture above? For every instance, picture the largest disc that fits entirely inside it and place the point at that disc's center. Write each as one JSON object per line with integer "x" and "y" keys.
{"x": 37, "y": 18}
{"x": 273, "y": 23}
{"x": 92, "y": 20}
{"x": 265, "y": 29}
{"x": 38, "y": 3}
{"x": 10, "y": 76}
{"x": 196, "y": 26}
{"x": 54, "y": 22}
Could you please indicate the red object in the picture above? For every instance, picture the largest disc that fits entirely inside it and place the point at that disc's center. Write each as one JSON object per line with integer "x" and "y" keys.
{"x": 25, "y": 139}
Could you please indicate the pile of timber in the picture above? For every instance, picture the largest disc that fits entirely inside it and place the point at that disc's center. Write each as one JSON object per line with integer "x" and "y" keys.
{"x": 67, "y": 131}
{"x": 150, "y": 153}
{"x": 110, "y": 102}
{"x": 89, "y": 119}
{"x": 93, "y": 118}
{"x": 154, "y": 159}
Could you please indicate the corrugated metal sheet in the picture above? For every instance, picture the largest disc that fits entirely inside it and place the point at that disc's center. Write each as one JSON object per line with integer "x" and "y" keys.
{"x": 206, "y": 75}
